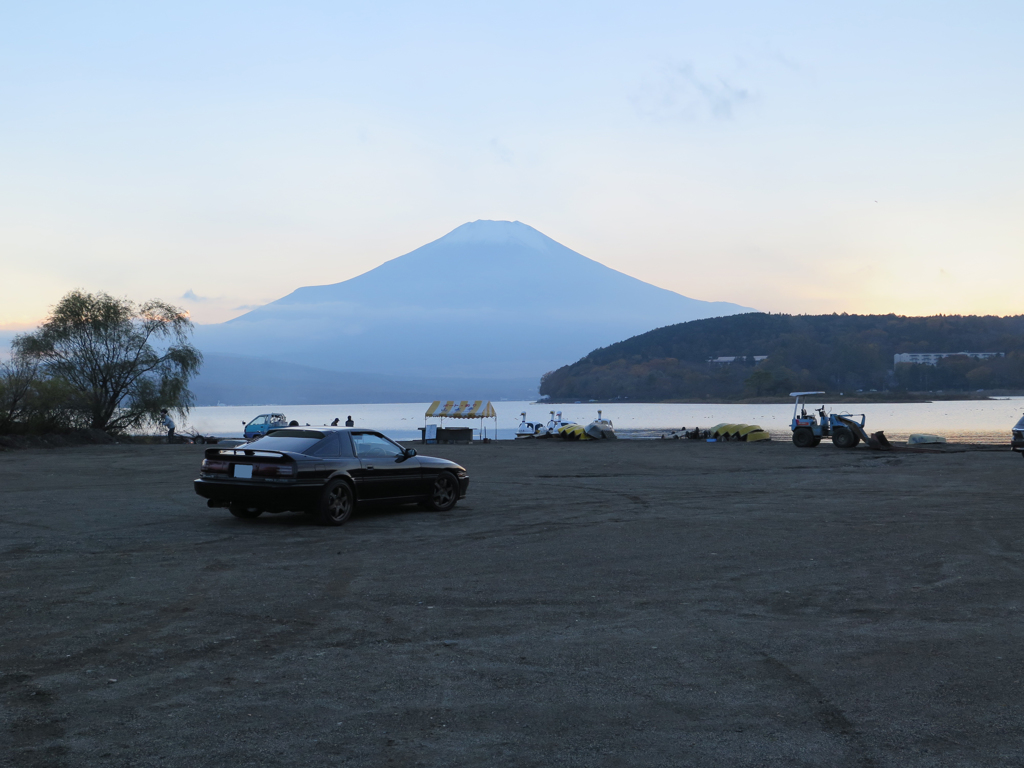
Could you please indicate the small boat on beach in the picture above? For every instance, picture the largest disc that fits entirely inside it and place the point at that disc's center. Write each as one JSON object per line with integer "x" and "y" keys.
{"x": 749, "y": 433}
{"x": 555, "y": 425}
{"x": 599, "y": 429}
{"x": 528, "y": 428}
{"x": 539, "y": 429}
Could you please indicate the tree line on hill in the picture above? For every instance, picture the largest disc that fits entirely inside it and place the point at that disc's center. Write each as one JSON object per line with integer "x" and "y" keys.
{"x": 98, "y": 362}
{"x": 841, "y": 353}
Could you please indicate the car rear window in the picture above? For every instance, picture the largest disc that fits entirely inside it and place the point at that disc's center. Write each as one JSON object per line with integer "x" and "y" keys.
{"x": 294, "y": 440}
{"x": 335, "y": 445}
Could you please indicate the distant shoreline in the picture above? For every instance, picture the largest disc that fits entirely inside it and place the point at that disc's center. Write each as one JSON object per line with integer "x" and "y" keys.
{"x": 875, "y": 398}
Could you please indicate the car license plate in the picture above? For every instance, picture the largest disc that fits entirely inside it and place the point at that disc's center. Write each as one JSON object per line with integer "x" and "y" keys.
{"x": 243, "y": 470}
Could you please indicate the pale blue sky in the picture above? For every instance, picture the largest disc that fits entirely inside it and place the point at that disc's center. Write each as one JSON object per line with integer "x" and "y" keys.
{"x": 728, "y": 151}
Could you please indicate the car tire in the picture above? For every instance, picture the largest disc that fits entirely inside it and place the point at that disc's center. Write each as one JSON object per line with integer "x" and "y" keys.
{"x": 200, "y": 440}
{"x": 243, "y": 512}
{"x": 444, "y": 492}
{"x": 844, "y": 438}
{"x": 336, "y": 504}
{"x": 803, "y": 438}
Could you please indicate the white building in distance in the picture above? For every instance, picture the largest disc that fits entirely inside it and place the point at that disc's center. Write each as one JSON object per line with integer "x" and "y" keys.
{"x": 932, "y": 358}
{"x": 737, "y": 358}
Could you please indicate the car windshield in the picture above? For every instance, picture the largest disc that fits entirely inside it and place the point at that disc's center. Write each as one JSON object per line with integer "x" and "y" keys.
{"x": 294, "y": 440}
{"x": 370, "y": 446}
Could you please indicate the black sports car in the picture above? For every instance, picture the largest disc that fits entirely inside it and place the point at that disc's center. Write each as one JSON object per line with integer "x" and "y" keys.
{"x": 325, "y": 471}
{"x": 1017, "y": 436}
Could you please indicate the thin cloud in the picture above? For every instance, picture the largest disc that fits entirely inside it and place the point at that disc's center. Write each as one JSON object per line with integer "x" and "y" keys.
{"x": 501, "y": 152}
{"x": 682, "y": 93}
{"x": 190, "y": 295}
{"x": 786, "y": 61}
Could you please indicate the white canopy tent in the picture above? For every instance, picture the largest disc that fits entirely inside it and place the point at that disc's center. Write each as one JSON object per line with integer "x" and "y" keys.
{"x": 464, "y": 409}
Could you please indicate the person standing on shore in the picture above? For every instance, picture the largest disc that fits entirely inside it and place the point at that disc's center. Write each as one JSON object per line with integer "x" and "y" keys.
{"x": 169, "y": 423}
{"x": 335, "y": 422}
{"x": 349, "y": 422}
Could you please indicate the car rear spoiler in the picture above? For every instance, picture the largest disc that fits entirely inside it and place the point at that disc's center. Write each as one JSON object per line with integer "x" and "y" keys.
{"x": 240, "y": 452}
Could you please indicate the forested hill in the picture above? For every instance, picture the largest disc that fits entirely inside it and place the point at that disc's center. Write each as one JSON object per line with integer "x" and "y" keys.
{"x": 829, "y": 352}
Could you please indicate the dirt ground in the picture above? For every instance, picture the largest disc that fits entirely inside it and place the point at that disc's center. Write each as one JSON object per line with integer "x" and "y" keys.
{"x": 629, "y": 603}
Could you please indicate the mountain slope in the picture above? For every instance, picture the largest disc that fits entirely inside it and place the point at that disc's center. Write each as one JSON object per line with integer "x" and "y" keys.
{"x": 235, "y": 380}
{"x": 489, "y": 299}
{"x": 804, "y": 352}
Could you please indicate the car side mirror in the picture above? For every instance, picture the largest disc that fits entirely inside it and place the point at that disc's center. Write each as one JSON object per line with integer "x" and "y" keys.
{"x": 409, "y": 453}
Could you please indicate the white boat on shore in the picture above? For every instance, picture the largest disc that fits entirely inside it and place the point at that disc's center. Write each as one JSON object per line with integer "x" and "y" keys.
{"x": 601, "y": 429}
{"x": 537, "y": 429}
{"x": 528, "y": 428}
{"x": 554, "y": 424}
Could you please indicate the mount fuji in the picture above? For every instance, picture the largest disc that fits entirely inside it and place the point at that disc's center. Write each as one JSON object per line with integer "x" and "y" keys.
{"x": 491, "y": 301}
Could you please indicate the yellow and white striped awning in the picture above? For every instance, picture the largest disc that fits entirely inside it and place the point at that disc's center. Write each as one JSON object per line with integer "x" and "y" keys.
{"x": 477, "y": 409}
{"x": 435, "y": 408}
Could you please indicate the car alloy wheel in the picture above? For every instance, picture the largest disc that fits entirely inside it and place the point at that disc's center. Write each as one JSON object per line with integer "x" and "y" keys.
{"x": 336, "y": 503}
{"x": 444, "y": 493}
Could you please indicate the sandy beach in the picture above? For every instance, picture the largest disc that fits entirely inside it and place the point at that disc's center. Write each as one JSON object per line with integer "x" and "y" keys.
{"x": 620, "y": 603}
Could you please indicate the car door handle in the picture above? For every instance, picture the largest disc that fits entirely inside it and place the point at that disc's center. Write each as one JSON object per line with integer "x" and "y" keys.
{"x": 369, "y": 466}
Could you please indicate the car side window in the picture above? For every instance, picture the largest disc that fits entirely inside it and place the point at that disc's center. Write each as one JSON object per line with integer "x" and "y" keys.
{"x": 259, "y": 420}
{"x": 330, "y": 447}
{"x": 370, "y": 446}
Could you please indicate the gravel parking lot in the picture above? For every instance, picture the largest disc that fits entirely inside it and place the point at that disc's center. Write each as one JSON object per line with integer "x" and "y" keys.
{"x": 619, "y": 603}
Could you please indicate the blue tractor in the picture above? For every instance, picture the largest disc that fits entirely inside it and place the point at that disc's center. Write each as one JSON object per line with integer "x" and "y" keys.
{"x": 845, "y": 429}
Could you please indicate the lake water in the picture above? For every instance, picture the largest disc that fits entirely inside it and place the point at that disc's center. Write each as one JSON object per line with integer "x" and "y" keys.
{"x": 974, "y": 421}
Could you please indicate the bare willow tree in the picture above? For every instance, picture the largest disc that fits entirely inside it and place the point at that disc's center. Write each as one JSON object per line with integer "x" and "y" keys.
{"x": 122, "y": 361}
{"x": 17, "y": 378}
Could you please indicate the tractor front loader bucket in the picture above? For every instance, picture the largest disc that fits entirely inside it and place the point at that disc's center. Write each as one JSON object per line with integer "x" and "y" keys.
{"x": 883, "y": 441}
{"x": 876, "y": 441}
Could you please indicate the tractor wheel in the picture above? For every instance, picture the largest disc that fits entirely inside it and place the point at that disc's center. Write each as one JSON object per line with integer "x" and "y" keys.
{"x": 844, "y": 438}
{"x": 803, "y": 438}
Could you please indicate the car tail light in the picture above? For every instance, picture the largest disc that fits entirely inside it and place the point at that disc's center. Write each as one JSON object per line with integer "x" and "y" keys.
{"x": 273, "y": 470}
{"x": 215, "y": 467}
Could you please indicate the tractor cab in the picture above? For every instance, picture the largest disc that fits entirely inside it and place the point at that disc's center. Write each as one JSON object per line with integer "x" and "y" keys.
{"x": 800, "y": 416}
